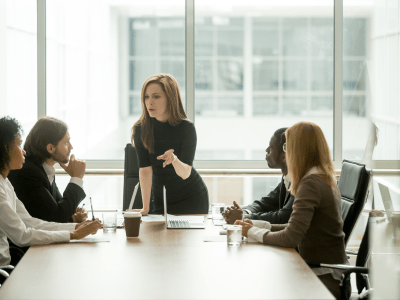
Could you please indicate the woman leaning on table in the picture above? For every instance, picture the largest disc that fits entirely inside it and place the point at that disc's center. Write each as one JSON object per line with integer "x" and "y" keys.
{"x": 15, "y": 222}
{"x": 315, "y": 225}
{"x": 165, "y": 141}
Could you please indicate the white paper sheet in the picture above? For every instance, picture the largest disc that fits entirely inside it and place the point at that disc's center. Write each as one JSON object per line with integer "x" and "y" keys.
{"x": 153, "y": 218}
{"x": 215, "y": 238}
{"x": 91, "y": 240}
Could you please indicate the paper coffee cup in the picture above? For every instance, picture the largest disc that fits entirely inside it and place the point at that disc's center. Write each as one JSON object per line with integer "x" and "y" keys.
{"x": 396, "y": 224}
{"x": 132, "y": 223}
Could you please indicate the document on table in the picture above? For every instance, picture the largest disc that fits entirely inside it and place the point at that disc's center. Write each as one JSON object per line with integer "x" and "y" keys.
{"x": 91, "y": 240}
{"x": 161, "y": 218}
{"x": 153, "y": 218}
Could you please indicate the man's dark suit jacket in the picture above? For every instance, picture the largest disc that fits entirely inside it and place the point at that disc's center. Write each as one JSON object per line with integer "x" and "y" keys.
{"x": 42, "y": 200}
{"x": 275, "y": 208}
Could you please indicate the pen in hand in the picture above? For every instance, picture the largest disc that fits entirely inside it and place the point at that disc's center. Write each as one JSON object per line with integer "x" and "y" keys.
{"x": 82, "y": 207}
{"x": 91, "y": 205}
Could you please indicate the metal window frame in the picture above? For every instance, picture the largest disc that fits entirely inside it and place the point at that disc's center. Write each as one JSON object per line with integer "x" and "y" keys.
{"x": 190, "y": 91}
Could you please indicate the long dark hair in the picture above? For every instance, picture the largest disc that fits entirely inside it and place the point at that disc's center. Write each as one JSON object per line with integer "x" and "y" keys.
{"x": 47, "y": 130}
{"x": 10, "y": 128}
{"x": 176, "y": 113}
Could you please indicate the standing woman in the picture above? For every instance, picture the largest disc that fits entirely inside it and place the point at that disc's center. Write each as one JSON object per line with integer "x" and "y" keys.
{"x": 315, "y": 225}
{"x": 165, "y": 141}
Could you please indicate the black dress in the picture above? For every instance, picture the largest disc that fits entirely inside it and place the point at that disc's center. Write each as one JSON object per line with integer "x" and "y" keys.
{"x": 189, "y": 196}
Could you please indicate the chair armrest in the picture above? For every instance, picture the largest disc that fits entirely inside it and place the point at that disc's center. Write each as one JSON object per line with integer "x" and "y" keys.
{"x": 7, "y": 267}
{"x": 331, "y": 266}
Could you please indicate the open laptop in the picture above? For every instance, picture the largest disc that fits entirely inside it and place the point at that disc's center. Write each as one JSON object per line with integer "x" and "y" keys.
{"x": 387, "y": 201}
{"x": 121, "y": 220}
{"x": 182, "y": 222}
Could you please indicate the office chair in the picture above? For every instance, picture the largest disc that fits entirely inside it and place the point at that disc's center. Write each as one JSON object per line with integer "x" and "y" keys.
{"x": 131, "y": 178}
{"x": 4, "y": 273}
{"x": 353, "y": 185}
{"x": 16, "y": 254}
{"x": 360, "y": 269}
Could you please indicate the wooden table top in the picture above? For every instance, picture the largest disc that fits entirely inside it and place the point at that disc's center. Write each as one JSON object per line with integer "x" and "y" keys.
{"x": 162, "y": 264}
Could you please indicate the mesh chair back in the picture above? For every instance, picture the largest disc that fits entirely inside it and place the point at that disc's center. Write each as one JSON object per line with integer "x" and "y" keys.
{"x": 353, "y": 186}
{"x": 131, "y": 178}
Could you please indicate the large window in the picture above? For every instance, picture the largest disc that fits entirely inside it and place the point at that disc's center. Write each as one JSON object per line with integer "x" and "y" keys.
{"x": 18, "y": 67}
{"x": 257, "y": 71}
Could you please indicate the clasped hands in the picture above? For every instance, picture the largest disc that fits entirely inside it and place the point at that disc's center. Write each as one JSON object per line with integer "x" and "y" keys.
{"x": 228, "y": 210}
{"x": 168, "y": 156}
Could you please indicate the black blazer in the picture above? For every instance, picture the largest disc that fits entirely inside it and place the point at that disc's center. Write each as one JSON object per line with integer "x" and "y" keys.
{"x": 33, "y": 188}
{"x": 275, "y": 208}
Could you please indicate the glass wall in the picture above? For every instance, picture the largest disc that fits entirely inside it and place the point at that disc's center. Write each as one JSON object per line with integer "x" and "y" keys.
{"x": 18, "y": 67}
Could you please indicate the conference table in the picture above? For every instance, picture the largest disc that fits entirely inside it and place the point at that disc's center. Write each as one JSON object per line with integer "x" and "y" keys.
{"x": 385, "y": 261}
{"x": 162, "y": 264}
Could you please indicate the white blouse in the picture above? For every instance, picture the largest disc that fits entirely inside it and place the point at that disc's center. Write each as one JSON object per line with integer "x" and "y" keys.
{"x": 22, "y": 229}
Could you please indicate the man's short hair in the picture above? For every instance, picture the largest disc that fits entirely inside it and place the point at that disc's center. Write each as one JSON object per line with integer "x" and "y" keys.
{"x": 281, "y": 137}
{"x": 10, "y": 128}
{"x": 47, "y": 130}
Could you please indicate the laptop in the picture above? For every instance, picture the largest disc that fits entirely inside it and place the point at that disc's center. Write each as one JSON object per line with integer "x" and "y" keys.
{"x": 387, "y": 201}
{"x": 121, "y": 220}
{"x": 182, "y": 222}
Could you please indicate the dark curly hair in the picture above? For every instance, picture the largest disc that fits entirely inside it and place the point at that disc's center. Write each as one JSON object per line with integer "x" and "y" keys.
{"x": 10, "y": 128}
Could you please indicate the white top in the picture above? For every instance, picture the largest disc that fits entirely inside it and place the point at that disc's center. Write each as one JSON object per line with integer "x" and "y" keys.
{"x": 51, "y": 173}
{"x": 21, "y": 228}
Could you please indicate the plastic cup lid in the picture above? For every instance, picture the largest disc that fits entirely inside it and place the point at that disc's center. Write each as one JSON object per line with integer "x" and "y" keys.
{"x": 132, "y": 214}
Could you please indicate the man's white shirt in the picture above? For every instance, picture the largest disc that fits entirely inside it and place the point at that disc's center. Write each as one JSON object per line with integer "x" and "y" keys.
{"x": 51, "y": 173}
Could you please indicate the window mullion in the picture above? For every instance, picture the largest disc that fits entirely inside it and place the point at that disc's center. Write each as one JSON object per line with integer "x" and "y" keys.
{"x": 41, "y": 57}
{"x": 189, "y": 59}
{"x": 337, "y": 83}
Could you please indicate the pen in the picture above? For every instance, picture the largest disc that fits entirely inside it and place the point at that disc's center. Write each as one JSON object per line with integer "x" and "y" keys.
{"x": 82, "y": 207}
{"x": 92, "y": 208}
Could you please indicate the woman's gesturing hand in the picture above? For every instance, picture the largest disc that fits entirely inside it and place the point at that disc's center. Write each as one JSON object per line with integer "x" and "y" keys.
{"x": 168, "y": 156}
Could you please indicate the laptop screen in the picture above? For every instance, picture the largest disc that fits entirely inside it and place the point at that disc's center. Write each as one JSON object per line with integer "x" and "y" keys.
{"x": 387, "y": 201}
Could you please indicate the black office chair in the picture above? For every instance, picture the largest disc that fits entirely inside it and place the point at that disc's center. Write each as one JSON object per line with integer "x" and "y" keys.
{"x": 353, "y": 185}
{"x": 360, "y": 269}
{"x": 131, "y": 178}
{"x": 16, "y": 255}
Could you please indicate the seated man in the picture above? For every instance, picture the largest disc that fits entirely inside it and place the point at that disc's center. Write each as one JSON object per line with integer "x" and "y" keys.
{"x": 48, "y": 143}
{"x": 275, "y": 208}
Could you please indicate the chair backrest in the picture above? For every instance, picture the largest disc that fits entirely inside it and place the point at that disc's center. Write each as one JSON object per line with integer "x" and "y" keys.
{"x": 131, "y": 178}
{"x": 362, "y": 258}
{"x": 353, "y": 186}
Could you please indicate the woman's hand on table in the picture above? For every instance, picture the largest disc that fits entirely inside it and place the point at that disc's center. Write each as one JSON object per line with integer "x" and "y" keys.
{"x": 168, "y": 156}
{"x": 246, "y": 225}
{"x": 84, "y": 229}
